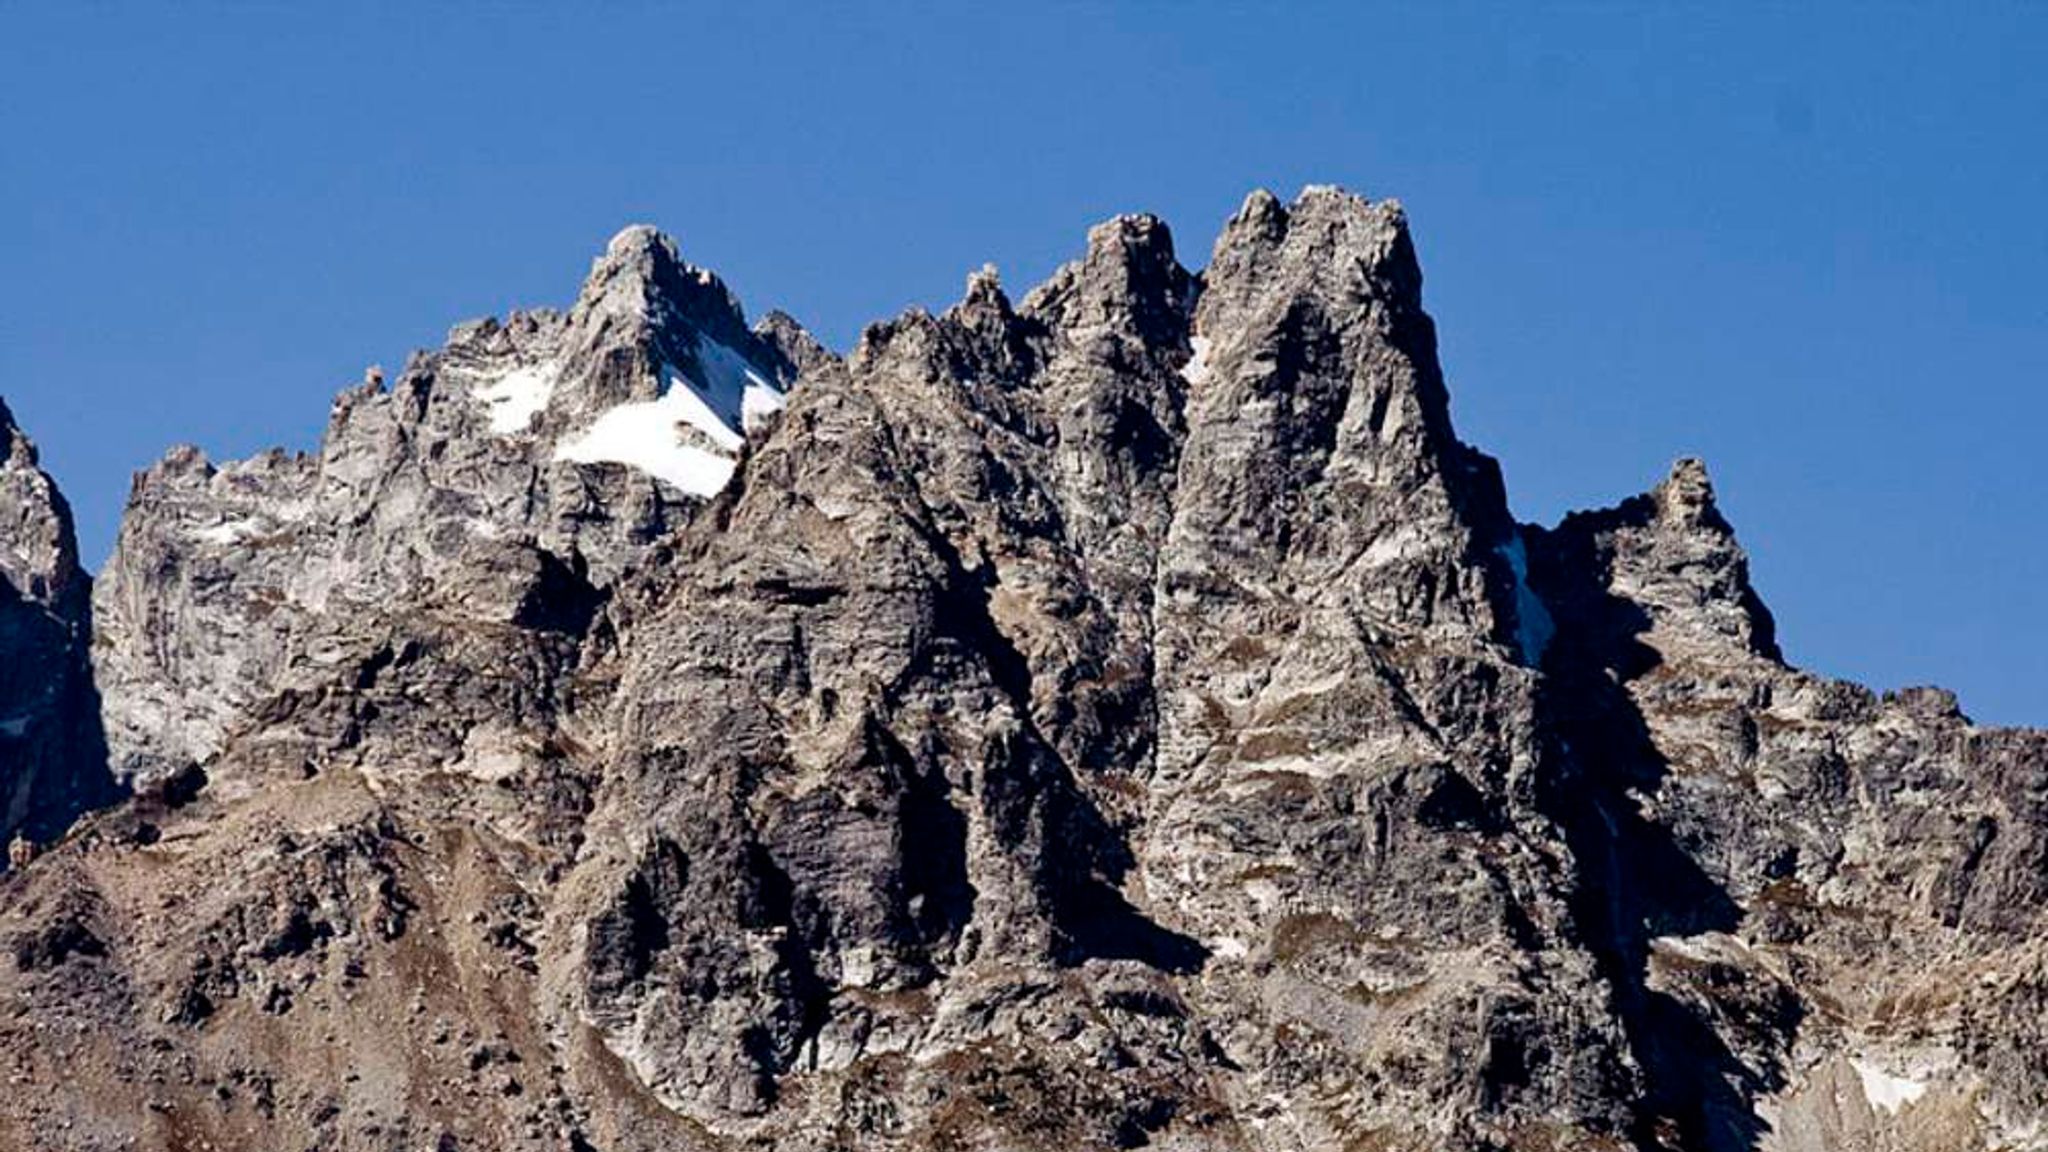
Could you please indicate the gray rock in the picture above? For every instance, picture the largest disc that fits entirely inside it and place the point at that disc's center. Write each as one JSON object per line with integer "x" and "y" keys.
{"x": 1128, "y": 716}
{"x": 466, "y": 490}
{"x": 52, "y": 758}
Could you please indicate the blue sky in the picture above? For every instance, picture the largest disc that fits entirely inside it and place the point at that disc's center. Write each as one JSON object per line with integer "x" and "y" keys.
{"x": 1807, "y": 243}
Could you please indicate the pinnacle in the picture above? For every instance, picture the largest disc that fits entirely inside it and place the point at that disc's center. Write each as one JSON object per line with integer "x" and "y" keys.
{"x": 636, "y": 257}
{"x": 1260, "y": 209}
{"x": 638, "y": 239}
{"x": 1687, "y": 493}
{"x": 1129, "y": 279}
{"x": 1130, "y": 236}
{"x": 16, "y": 449}
{"x": 1266, "y": 238}
{"x": 643, "y": 278}
{"x": 985, "y": 289}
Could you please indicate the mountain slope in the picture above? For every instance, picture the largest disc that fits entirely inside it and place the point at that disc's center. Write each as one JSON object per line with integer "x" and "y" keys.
{"x": 1128, "y": 716}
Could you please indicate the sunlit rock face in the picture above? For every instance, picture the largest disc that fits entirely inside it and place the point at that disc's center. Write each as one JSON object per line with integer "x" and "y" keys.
{"x": 502, "y": 478}
{"x": 1123, "y": 715}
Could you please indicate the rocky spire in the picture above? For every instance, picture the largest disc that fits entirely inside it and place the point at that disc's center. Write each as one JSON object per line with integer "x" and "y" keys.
{"x": 1129, "y": 282}
{"x": 643, "y": 281}
{"x": 1315, "y": 383}
{"x": 1124, "y": 718}
{"x": 38, "y": 549}
{"x": 52, "y": 761}
{"x": 1662, "y": 569}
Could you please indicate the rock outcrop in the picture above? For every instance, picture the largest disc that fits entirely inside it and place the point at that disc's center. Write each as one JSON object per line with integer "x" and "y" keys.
{"x": 1127, "y": 716}
{"x": 52, "y": 758}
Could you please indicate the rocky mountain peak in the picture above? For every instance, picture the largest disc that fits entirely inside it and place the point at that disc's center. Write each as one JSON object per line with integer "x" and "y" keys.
{"x": 1669, "y": 573}
{"x": 643, "y": 277}
{"x": 984, "y": 307}
{"x": 1128, "y": 718}
{"x": 525, "y": 458}
{"x": 793, "y": 343}
{"x": 1128, "y": 282}
{"x": 38, "y": 548}
{"x": 20, "y": 450}
{"x": 1328, "y": 244}
{"x": 1685, "y": 498}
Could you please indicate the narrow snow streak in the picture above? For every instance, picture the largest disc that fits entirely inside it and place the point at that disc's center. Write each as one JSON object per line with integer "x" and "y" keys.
{"x": 227, "y": 532}
{"x": 1533, "y": 626}
{"x": 1196, "y": 369}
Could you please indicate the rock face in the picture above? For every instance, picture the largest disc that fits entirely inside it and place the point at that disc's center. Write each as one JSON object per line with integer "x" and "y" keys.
{"x": 1124, "y": 717}
{"x": 494, "y": 481}
{"x": 52, "y": 759}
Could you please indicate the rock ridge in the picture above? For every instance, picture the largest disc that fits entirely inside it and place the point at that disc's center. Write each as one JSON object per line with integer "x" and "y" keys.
{"x": 1124, "y": 715}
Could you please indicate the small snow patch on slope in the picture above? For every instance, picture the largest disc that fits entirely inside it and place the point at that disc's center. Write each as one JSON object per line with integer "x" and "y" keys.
{"x": 649, "y": 435}
{"x": 512, "y": 400}
{"x": 1884, "y": 1090}
{"x": 760, "y": 402}
{"x": 1533, "y": 625}
{"x": 227, "y": 532}
{"x": 692, "y": 408}
{"x": 646, "y": 436}
{"x": 1196, "y": 369}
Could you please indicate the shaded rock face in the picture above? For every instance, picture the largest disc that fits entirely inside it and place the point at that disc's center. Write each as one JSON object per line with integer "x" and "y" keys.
{"x": 1125, "y": 716}
{"x": 52, "y": 758}
{"x": 1822, "y": 910}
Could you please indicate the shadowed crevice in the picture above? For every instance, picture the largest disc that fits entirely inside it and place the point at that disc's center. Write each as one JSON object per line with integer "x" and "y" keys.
{"x": 1635, "y": 883}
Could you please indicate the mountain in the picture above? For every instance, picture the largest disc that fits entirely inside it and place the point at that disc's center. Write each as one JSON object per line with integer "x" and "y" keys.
{"x": 52, "y": 755}
{"x": 1123, "y": 717}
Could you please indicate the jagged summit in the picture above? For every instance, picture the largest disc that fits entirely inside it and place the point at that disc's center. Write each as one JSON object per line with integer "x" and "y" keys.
{"x": 18, "y": 444}
{"x": 642, "y": 276}
{"x": 1129, "y": 281}
{"x": 38, "y": 548}
{"x": 524, "y": 456}
{"x": 1687, "y": 494}
{"x": 1123, "y": 715}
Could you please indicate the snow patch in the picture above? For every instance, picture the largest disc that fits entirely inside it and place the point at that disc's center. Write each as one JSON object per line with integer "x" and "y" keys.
{"x": 1533, "y": 626}
{"x": 228, "y": 532}
{"x": 1196, "y": 370}
{"x": 1884, "y": 1090}
{"x": 731, "y": 396}
{"x": 512, "y": 400}
{"x": 728, "y": 377}
{"x": 694, "y": 409}
{"x": 644, "y": 436}
{"x": 760, "y": 402}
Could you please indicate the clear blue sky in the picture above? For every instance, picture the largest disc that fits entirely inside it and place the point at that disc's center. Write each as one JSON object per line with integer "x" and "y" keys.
{"x": 1808, "y": 243}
